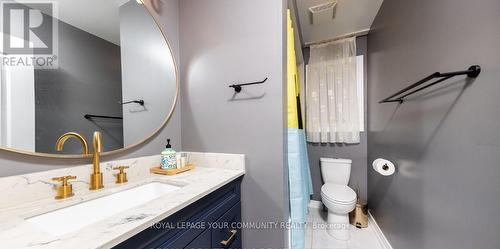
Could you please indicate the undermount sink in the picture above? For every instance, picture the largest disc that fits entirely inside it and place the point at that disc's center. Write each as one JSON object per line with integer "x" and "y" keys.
{"x": 73, "y": 218}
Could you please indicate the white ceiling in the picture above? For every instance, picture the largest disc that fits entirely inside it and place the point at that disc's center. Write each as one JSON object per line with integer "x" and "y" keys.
{"x": 350, "y": 16}
{"x": 98, "y": 17}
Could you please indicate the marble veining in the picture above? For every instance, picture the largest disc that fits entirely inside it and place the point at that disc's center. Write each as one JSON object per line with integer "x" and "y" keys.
{"x": 30, "y": 195}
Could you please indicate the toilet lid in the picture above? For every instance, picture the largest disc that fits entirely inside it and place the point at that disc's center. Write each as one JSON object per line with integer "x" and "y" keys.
{"x": 338, "y": 193}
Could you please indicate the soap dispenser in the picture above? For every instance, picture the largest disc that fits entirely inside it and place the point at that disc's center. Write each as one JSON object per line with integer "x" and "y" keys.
{"x": 168, "y": 157}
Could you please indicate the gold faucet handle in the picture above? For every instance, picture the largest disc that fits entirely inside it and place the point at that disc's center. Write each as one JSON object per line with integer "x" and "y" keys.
{"x": 121, "y": 177}
{"x": 121, "y": 168}
{"x": 66, "y": 189}
{"x": 64, "y": 179}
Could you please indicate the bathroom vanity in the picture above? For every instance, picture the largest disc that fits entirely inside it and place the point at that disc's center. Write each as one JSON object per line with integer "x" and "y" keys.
{"x": 211, "y": 222}
{"x": 199, "y": 208}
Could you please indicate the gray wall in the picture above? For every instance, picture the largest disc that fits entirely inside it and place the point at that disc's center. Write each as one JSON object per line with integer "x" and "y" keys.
{"x": 444, "y": 141}
{"x": 88, "y": 81}
{"x": 148, "y": 73}
{"x": 14, "y": 164}
{"x": 227, "y": 41}
{"x": 356, "y": 152}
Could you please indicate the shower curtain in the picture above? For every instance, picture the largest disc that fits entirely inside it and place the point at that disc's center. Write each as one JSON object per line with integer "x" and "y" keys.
{"x": 332, "y": 95}
{"x": 300, "y": 183}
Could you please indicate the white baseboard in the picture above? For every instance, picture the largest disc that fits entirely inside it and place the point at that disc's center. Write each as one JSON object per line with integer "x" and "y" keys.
{"x": 315, "y": 204}
{"x": 380, "y": 235}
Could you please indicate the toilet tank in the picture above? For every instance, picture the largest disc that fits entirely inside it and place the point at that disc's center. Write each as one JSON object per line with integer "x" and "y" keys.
{"x": 335, "y": 170}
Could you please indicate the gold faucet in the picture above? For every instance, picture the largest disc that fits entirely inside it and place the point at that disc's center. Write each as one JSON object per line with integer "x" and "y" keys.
{"x": 62, "y": 139}
{"x": 96, "y": 176}
{"x": 96, "y": 179}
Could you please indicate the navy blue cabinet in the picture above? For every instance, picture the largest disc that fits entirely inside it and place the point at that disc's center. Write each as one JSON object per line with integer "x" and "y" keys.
{"x": 201, "y": 241}
{"x": 226, "y": 233}
{"x": 211, "y": 222}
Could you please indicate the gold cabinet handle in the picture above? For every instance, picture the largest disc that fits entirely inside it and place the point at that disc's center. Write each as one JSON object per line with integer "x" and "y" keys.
{"x": 121, "y": 177}
{"x": 229, "y": 240}
{"x": 66, "y": 189}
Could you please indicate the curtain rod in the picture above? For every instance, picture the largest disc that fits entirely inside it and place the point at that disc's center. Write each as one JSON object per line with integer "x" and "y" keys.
{"x": 353, "y": 34}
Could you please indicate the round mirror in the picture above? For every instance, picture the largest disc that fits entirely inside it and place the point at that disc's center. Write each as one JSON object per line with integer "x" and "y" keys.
{"x": 82, "y": 66}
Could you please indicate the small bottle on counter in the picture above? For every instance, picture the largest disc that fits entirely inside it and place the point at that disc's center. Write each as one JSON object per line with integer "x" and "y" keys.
{"x": 183, "y": 160}
{"x": 178, "y": 158}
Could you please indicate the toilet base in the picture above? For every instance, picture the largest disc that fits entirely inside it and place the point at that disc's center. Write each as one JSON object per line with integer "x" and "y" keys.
{"x": 338, "y": 226}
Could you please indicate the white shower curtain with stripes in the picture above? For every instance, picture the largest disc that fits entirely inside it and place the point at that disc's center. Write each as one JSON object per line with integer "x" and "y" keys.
{"x": 332, "y": 114}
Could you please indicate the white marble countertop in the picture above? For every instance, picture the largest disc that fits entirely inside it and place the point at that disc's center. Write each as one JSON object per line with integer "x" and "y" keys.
{"x": 212, "y": 172}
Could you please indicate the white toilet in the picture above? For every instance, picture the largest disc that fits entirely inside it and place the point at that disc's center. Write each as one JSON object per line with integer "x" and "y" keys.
{"x": 338, "y": 198}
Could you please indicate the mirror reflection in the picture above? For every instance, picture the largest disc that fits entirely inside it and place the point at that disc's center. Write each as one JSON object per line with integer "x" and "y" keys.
{"x": 82, "y": 66}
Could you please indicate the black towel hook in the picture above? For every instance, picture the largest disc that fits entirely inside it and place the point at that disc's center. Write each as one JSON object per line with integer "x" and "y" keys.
{"x": 238, "y": 87}
{"x": 140, "y": 102}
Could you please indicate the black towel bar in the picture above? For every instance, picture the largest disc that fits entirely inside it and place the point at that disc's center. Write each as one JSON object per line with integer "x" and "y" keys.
{"x": 90, "y": 116}
{"x": 472, "y": 72}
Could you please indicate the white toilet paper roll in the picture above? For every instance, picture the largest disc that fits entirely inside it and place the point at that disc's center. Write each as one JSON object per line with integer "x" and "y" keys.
{"x": 384, "y": 167}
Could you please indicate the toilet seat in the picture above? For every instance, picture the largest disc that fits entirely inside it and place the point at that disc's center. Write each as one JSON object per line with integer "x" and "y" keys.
{"x": 339, "y": 194}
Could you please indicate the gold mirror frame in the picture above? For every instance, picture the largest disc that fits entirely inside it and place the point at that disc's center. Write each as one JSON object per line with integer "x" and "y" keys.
{"x": 145, "y": 4}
